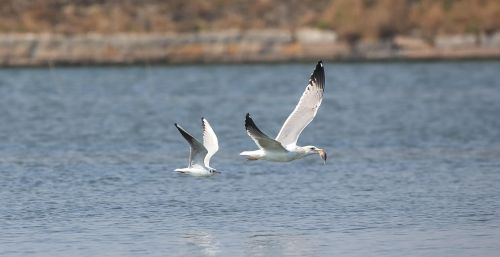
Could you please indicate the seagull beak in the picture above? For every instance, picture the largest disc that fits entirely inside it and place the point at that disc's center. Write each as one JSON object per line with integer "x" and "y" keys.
{"x": 322, "y": 154}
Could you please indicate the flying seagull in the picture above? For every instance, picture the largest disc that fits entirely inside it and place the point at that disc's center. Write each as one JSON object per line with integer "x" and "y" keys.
{"x": 284, "y": 148}
{"x": 199, "y": 157}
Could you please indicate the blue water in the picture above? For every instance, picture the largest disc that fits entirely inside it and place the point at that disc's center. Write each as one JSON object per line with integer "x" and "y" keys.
{"x": 87, "y": 157}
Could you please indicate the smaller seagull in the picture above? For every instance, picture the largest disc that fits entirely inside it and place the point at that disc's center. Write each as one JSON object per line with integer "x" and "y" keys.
{"x": 284, "y": 148}
{"x": 200, "y": 154}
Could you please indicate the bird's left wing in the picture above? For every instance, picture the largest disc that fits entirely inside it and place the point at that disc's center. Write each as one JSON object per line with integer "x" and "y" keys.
{"x": 198, "y": 151}
{"x": 262, "y": 140}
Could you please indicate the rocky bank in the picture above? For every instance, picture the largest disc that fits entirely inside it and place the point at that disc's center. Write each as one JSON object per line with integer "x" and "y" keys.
{"x": 232, "y": 46}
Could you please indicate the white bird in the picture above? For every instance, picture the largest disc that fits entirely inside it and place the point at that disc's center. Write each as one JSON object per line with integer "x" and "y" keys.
{"x": 200, "y": 154}
{"x": 284, "y": 148}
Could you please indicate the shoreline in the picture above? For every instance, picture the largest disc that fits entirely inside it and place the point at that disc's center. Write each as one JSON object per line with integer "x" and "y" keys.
{"x": 233, "y": 46}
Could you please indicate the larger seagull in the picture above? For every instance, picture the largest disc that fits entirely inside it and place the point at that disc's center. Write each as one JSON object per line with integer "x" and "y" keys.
{"x": 200, "y": 154}
{"x": 284, "y": 148}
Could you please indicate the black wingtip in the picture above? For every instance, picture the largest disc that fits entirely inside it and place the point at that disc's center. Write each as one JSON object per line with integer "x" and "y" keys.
{"x": 185, "y": 134}
{"x": 318, "y": 75}
{"x": 250, "y": 125}
{"x": 319, "y": 66}
{"x": 248, "y": 120}
{"x": 178, "y": 127}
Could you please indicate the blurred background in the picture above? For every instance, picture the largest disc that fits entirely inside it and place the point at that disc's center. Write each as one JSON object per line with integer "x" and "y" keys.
{"x": 34, "y": 32}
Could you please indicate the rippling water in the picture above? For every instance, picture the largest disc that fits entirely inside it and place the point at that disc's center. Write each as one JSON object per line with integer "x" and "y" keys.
{"x": 87, "y": 158}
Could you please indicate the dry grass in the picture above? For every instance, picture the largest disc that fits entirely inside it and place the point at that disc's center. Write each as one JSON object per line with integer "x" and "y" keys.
{"x": 352, "y": 19}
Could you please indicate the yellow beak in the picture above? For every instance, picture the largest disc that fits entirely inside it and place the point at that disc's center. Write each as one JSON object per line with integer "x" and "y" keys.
{"x": 322, "y": 154}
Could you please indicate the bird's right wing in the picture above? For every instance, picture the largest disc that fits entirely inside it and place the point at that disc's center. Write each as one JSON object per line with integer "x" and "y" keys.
{"x": 306, "y": 108}
{"x": 262, "y": 140}
{"x": 198, "y": 151}
{"x": 209, "y": 141}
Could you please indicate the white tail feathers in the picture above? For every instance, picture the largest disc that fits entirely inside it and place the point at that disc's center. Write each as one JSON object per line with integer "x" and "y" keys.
{"x": 246, "y": 153}
{"x": 252, "y": 155}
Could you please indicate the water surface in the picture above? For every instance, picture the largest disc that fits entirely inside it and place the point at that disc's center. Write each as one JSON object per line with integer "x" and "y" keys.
{"x": 87, "y": 157}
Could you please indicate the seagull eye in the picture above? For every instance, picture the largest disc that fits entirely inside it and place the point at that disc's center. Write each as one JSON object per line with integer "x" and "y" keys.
{"x": 312, "y": 148}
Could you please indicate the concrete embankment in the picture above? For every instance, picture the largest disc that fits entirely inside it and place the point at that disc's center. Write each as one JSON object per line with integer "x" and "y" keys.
{"x": 231, "y": 46}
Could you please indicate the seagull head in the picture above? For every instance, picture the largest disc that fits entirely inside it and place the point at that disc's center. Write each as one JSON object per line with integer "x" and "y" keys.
{"x": 310, "y": 149}
{"x": 213, "y": 171}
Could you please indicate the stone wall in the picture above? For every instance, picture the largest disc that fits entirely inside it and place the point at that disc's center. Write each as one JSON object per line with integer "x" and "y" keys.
{"x": 230, "y": 46}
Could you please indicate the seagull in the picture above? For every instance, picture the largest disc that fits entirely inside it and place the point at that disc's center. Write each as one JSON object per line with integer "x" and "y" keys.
{"x": 284, "y": 148}
{"x": 200, "y": 154}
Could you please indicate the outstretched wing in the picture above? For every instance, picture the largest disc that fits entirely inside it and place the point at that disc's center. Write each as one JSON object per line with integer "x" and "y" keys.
{"x": 198, "y": 151}
{"x": 209, "y": 141}
{"x": 305, "y": 110}
{"x": 262, "y": 140}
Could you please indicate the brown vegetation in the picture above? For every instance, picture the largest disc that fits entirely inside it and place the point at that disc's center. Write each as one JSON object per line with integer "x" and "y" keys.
{"x": 352, "y": 19}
